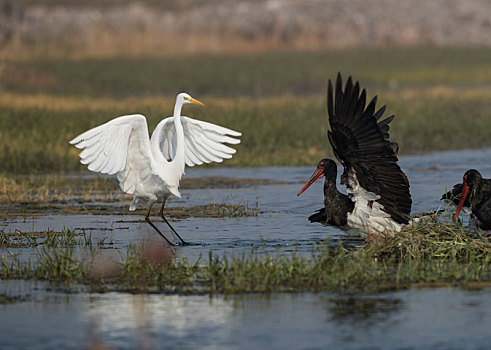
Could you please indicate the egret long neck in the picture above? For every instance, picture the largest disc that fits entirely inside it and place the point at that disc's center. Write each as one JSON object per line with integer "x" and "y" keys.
{"x": 178, "y": 160}
{"x": 175, "y": 167}
{"x": 177, "y": 109}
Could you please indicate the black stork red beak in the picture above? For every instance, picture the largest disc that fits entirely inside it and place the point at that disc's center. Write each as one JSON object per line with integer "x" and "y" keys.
{"x": 465, "y": 191}
{"x": 318, "y": 173}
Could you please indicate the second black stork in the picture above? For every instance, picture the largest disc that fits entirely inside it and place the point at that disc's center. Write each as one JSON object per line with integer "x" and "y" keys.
{"x": 475, "y": 193}
{"x": 378, "y": 197}
{"x": 454, "y": 195}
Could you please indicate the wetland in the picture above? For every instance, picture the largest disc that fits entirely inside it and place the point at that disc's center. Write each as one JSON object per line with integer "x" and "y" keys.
{"x": 77, "y": 269}
{"x": 71, "y": 267}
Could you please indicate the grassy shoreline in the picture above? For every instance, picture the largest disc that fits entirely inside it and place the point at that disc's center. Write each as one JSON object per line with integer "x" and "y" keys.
{"x": 440, "y": 96}
{"x": 276, "y": 131}
{"x": 432, "y": 253}
{"x": 441, "y": 99}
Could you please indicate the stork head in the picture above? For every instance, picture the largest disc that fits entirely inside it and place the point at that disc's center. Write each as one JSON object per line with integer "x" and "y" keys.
{"x": 326, "y": 167}
{"x": 471, "y": 182}
{"x": 472, "y": 177}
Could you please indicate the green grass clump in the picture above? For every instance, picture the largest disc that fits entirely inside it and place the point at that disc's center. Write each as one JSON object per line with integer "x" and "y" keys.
{"x": 52, "y": 239}
{"x": 429, "y": 252}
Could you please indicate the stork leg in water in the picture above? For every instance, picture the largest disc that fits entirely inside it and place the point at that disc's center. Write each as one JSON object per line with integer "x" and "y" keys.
{"x": 168, "y": 224}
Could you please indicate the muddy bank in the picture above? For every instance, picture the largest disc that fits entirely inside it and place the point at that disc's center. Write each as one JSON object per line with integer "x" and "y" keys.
{"x": 31, "y": 190}
{"x": 213, "y": 210}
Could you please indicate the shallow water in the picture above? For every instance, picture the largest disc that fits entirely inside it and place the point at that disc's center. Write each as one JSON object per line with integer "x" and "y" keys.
{"x": 443, "y": 318}
{"x": 282, "y": 224}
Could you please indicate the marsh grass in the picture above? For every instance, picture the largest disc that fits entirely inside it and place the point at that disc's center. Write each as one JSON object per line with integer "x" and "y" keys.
{"x": 276, "y": 131}
{"x": 54, "y": 188}
{"x": 211, "y": 210}
{"x": 254, "y": 76}
{"x": 39, "y": 195}
{"x": 430, "y": 252}
{"x": 51, "y": 188}
{"x": 52, "y": 239}
{"x": 277, "y": 100}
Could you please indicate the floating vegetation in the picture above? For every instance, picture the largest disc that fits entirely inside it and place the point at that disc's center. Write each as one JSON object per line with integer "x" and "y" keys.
{"x": 38, "y": 195}
{"x": 235, "y": 210}
{"x": 213, "y": 210}
{"x": 430, "y": 252}
{"x": 226, "y": 182}
{"x": 51, "y": 239}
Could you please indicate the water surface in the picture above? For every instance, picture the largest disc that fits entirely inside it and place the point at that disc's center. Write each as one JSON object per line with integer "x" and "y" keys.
{"x": 444, "y": 318}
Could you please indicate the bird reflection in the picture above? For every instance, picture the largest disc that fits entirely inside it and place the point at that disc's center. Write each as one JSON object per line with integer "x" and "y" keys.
{"x": 139, "y": 317}
{"x": 143, "y": 315}
{"x": 362, "y": 309}
{"x": 133, "y": 311}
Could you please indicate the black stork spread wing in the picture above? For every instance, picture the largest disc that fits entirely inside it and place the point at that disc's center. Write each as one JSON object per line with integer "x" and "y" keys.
{"x": 360, "y": 142}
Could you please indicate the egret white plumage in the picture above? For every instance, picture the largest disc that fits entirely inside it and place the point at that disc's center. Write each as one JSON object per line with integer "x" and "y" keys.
{"x": 151, "y": 168}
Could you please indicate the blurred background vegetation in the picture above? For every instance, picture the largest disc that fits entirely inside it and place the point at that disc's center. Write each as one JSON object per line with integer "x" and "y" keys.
{"x": 261, "y": 67}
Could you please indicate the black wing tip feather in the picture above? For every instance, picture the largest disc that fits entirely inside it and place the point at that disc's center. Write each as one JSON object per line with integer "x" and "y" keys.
{"x": 349, "y": 105}
{"x": 380, "y": 113}
{"x": 348, "y": 95}
{"x": 330, "y": 101}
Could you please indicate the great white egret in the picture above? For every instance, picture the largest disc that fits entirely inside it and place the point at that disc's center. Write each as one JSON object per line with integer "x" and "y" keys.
{"x": 151, "y": 168}
{"x": 378, "y": 197}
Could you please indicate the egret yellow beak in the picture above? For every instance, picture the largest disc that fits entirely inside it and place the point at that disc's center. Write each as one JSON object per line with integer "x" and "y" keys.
{"x": 190, "y": 99}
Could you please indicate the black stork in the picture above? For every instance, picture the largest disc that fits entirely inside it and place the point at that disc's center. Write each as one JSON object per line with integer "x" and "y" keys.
{"x": 475, "y": 193}
{"x": 378, "y": 197}
{"x": 454, "y": 195}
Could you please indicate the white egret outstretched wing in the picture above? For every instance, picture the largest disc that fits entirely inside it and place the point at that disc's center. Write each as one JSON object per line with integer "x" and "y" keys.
{"x": 204, "y": 142}
{"x": 120, "y": 146}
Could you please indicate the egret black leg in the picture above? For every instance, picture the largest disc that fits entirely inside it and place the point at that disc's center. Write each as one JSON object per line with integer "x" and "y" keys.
{"x": 147, "y": 219}
{"x": 167, "y": 222}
